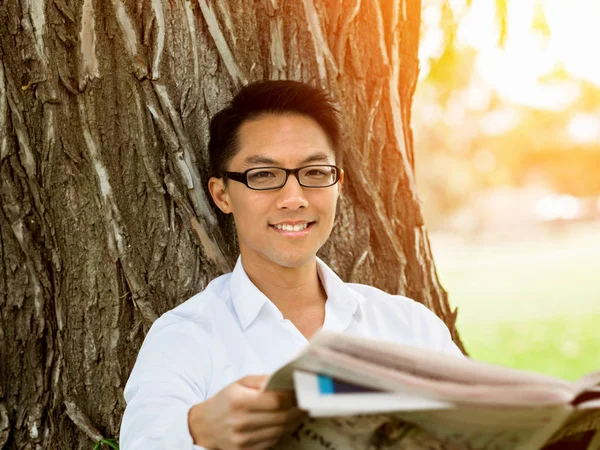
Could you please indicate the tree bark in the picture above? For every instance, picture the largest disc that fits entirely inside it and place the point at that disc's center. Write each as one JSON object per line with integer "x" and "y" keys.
{"x": 105, "y": 221}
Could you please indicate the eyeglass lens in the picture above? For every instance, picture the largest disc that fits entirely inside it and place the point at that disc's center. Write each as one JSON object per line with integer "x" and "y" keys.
{"x": 272, "y": 177}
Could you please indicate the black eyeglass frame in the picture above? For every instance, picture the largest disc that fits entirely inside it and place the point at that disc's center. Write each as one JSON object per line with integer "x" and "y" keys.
{"x": 242, "y": 177}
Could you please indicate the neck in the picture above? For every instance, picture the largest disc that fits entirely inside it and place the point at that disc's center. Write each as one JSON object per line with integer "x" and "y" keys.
{"x": 296, "y": 291}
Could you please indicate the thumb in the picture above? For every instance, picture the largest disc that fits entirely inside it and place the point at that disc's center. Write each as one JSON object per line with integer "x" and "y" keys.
{"x": 253, "y": 381}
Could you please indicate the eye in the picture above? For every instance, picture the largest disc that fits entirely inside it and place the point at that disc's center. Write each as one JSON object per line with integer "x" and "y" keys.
{"x": 262, "y": 177}
{"x": 263, "y": 174}
{"x": 317, "y": 172}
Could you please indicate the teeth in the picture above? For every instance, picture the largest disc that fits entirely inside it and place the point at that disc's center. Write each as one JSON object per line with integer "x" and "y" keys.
{"x": 298, "y": 227}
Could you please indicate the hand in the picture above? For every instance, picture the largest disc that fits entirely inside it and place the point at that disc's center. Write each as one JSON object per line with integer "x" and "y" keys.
{"x": 242, "y": 417}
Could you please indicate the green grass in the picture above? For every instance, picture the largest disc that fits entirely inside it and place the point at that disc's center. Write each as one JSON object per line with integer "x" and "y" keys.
{"x": 527, "y": 301}
{"x": 106, "y": 443}
{"x": 563, "y": 347}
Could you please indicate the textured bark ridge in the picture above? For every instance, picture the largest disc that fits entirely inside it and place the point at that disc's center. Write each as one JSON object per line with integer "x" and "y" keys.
{"x": 105, "y": 221}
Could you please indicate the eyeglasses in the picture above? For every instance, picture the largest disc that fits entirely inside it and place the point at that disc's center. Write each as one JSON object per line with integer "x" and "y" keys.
{"x": 267, "y": 178}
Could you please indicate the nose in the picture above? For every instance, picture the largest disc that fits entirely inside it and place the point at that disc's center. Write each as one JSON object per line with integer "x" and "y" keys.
{"x": 292, "y": 195}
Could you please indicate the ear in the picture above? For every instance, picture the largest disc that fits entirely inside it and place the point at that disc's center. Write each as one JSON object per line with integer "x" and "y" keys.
{"x": 340, "y": 181}
{"x": 220, "y": 194}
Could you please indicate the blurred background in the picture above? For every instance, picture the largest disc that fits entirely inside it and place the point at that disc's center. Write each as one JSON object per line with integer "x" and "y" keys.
{"x": 506, "y": 120}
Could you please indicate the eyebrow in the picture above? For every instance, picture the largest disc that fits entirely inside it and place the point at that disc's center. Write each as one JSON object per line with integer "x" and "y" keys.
{"x": 316, "y": 157}
{"x": 258, "y": 159}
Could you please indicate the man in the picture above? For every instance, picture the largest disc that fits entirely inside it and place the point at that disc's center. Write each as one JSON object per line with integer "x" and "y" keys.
{"x": 275, "y": 155}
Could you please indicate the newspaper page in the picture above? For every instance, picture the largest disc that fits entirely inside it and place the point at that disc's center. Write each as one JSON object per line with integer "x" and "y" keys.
{"x": 427, "y": 363}
{"x": 463, "y": 428}
{"x": 362, "y": 433}
{"x": 491, "y": 407}
{"x": 359, "y": 372}
{"x": 482, "y": 428}
{"x": 339, "y": 420}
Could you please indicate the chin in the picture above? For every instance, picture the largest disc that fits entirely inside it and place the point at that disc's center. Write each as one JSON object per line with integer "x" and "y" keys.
{"x": 291, "y": 261}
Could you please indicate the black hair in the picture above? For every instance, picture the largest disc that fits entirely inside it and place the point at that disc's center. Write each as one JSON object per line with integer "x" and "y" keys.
{"x": 270, "y": 97}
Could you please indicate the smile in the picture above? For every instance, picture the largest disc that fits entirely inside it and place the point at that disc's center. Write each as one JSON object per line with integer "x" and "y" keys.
{"x": 293, "y": 230}
{"x": 286, "y": 227}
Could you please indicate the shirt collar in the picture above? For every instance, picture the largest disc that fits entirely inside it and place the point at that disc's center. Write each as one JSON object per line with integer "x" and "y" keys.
{"x": 342, "y": 304}
{"x": 248, "y": 300}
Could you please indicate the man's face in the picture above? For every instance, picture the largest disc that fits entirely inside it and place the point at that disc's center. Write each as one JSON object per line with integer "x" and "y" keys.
{"x": 287, "y": 141}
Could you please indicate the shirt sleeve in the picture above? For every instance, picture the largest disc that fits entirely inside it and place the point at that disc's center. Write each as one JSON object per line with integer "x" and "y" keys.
{"x": 170, "y": 375}
{"x": 431, "y": 331}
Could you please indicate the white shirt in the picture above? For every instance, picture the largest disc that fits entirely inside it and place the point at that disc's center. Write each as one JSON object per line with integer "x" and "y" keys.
{"x": 231, "y": 330}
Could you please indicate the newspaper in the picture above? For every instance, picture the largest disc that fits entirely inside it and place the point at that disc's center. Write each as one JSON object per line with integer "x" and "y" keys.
{"x": 363, "y": 394}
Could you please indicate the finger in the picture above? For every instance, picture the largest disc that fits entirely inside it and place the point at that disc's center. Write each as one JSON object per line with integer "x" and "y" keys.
{"x": 264, "y": 445}
{"x": 260, "y": 436}
{"x": 265, "y": 419}
{"x": 253, "y": 381}
{"x": 273, "y": 401}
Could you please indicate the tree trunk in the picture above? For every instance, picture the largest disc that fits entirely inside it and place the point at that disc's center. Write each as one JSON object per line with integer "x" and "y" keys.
{"x": 105, "y": 221}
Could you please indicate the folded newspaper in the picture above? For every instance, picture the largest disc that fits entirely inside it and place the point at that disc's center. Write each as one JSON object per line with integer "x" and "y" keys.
{"x": 363, "y": 394}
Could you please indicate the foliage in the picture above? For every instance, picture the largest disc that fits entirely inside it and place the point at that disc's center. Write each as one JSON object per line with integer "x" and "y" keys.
{"x": 532, "y": 124}
{"x": 110, "y": 443}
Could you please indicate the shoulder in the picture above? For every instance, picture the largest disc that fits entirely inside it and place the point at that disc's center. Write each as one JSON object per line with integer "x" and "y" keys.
{"x": 394, "y": 306}
{"x": 204, "y": 304}
{"x": 176, "y": 341}
{"x": 371, "y": 297}
{"x": 194, "y": 319}
{"x": 404, "y": 319}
